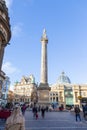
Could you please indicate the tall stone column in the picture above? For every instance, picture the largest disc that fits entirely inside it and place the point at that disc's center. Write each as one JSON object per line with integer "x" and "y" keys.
{"x": 44, "y": 70}
{"x": 43, "y": 89}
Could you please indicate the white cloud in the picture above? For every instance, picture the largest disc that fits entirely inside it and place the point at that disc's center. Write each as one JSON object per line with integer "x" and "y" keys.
{"x": 12, "y": 72}
{"x": 16, "y": 30}
{"x": 8, "y": 68}
{"x": 9, "y": 3}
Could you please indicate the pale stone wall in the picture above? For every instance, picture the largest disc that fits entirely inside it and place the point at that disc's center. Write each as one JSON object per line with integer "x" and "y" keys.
{"x": 23, "y": 90}
{"x": 77, "y": 90}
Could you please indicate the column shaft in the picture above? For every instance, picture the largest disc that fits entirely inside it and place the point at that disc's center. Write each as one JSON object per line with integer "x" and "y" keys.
{"x": 44, "y": 63}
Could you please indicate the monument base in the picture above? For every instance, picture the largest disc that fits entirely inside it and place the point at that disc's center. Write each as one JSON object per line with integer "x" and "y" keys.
{"x": 43, "y": 94}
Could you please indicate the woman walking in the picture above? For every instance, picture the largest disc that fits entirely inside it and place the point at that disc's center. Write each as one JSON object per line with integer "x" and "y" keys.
{"x": 16, "y": 121}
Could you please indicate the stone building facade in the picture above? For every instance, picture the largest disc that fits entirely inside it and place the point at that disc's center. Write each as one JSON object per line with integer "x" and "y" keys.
{"x": 5, "y": 33}
{"x": 63, "y": 92}
{"x": 23, "y": 90}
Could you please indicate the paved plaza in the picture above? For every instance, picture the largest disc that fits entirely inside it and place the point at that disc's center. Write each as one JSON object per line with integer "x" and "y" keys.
{"x": 52, "y": 121}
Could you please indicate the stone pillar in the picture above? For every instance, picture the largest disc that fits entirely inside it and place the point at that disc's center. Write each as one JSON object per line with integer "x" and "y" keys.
{"x": 44, "y": 70}
{"x": 43, "y": 89}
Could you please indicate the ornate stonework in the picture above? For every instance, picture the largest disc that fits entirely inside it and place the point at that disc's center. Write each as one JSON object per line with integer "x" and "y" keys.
{"x": 67, "y": 93}
{"x": 5, "y": 32}
{"x": 24, "y": 89}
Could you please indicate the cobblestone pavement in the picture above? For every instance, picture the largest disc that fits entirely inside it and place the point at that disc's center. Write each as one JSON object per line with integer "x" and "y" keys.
{"x": 52, "y": 121}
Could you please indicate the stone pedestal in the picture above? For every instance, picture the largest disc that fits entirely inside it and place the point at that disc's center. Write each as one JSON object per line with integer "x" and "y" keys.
{"x": 43, "y": 94}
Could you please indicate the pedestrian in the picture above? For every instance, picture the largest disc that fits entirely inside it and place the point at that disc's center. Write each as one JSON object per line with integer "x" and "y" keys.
{"x": 35, "y": 112}
{"x": 43, "y": 111}
{"x": 46, "y": 108}
{"x": 23, "y": 108}
{"x": 77, "y": 113}
{"x": 85, "y": 111}
{"x": 16, "y": 121}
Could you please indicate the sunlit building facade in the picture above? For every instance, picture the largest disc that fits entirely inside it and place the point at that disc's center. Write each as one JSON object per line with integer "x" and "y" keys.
{"x": 24, "y": 89}
{"x": 62, "y": 92}
{"x": 66, "y": 93}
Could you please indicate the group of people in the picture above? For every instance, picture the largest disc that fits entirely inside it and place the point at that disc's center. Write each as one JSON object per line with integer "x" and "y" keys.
{"x": 36, "y": 109}
{"x": 77, "y": 112}
{"x": 16, "y": 120}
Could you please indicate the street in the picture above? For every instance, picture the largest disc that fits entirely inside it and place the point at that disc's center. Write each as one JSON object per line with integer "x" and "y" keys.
{"x": 52, "y": 121}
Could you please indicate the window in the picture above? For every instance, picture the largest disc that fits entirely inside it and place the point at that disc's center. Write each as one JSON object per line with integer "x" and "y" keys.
{"x": 84, "y": 94}
{"x": 76, "y": 98}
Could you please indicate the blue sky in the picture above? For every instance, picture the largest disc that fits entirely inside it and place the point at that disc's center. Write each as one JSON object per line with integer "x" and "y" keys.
{"x": 66, "y": 25}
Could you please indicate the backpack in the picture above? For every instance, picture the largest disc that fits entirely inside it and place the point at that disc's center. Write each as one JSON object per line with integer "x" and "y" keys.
{"x": 77, "y": 110}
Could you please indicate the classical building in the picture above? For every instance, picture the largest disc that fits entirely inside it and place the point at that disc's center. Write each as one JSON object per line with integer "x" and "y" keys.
{"x": 66, "y": 93}
{"x": 23, "y": 90}
{"x": 5, "y": 32}
{"x": 62, "y": 92}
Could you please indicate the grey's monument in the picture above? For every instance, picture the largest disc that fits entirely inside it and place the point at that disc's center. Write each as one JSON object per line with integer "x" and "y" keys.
{"x": 43, "y": 89}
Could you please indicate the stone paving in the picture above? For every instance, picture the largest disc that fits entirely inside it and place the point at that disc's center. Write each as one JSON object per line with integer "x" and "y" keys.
{"x": 52, "y": 121}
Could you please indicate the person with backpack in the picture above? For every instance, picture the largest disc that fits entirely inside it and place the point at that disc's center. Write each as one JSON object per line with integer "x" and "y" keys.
{"x": 77, "y": 113}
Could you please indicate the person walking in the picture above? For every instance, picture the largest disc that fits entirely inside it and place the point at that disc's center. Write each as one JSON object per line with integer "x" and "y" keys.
{"x": 16, "y": 121}
{"x": 77, "y": 113}
{"x": 85, "y": 111}
{"x": 23, "y": 109}
{"x": 43, "y": 111}
{"x": 35, "y": 112}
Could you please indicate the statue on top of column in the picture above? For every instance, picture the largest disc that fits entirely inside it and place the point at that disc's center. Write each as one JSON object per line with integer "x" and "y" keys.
{"x": 44, "y": 33}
